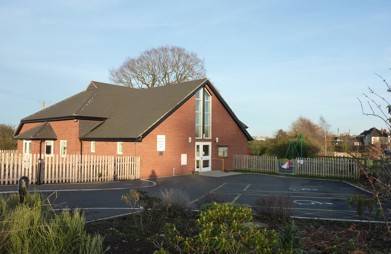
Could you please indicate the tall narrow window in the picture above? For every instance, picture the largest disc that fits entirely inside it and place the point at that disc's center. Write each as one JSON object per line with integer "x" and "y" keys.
{"x": 26, "y": 146}
{"x": 49, "y": 147}
{"x": 207, "y": 115}
{"x": 203, "y": 114}
{"x": 63, "y": 148}
{"x": 198, "y": 114}
{"x": 119, "y": 148}
{"x": 93, "y": 146}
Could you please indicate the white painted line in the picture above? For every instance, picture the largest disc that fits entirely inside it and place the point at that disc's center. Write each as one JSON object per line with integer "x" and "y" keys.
{"x": 289, "y": 196}
{"x": 310, "y": 202}
{"x": 96, "y": 208}
{"x": 358, "y": 187}
{"x": 153, "y": 184}
{"x": 206, "y": 194}
{"x": 111, "y": 217}
{"x": 218, "y": 187}
{"x": 337, "y": 219}
{"x": 247, "y": 187}
{"x": 311, "y": 209}
{"x": 236, "y": 198}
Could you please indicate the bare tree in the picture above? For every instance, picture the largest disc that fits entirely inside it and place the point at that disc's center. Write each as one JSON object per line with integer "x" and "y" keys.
{"x": 310, "y": 130}
{"x": 379, "y": 177}
{"x": 159, "y": 67}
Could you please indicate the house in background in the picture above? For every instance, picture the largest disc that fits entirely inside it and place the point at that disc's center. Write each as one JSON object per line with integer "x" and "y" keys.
{"x": 174, "y": 129}
{"x": 374, "y": 136}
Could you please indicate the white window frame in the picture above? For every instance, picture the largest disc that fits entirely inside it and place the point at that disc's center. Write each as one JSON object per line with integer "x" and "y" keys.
{"x": 63, "y": 148}
{"x": 222, "y": 155}
{"x": 120, "y": 148}
{"x": 26, "y": 146}
{"x": 161, "y": 143}
{"x": 197, "y": 100}
{"x": 201, "y": 93}
{"x": 51, "y": 143}
{"x": 93, "y": 146}
{"x": 210, "y": 114}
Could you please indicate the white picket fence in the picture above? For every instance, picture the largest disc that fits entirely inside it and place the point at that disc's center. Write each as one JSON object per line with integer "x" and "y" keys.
{"x": 263, "y": 164}
{"x": 327, "y": 167}
{"x": 320, "y": 167}
{"x": 68, "y": 169}
{"x": 8, "y": 151}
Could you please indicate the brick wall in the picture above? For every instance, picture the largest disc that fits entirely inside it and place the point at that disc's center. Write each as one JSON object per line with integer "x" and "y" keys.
{"x": 178, "y": 128}
{"x": 65, "y": 130}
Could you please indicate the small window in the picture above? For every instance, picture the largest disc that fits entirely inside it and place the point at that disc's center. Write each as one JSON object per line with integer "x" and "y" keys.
{"x": 26, "y": 146}
{"x": 222, "y": 151}
{"x": 161, "y": 143}
{"x": 49, "y": 148}
{"x": 93, "y": 146}
{"x": 63, "y": 147}
{"x": 119, "y": 148}
{"x": 183, "y": 159}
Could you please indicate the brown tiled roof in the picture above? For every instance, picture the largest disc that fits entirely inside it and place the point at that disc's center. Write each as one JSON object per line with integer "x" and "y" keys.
{"x": 109, "y": 111}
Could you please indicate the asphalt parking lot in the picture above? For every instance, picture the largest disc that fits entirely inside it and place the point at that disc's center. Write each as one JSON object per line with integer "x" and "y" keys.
{"x": 310, "y": 198}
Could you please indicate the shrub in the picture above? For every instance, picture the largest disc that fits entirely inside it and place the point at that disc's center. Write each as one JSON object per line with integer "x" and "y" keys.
{"x": 274, "y": 207}
{"x": 33, "y": 227}
{"x": 174, "y": 198}
{"x": 222, "y": 228}
{"x": 132, "y": 199}
{"x": 289, "y": 241}
{"x": 363, "y": 205}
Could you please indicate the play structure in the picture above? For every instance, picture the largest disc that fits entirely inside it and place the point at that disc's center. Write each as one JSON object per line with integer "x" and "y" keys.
{"x": 294, "y": 151}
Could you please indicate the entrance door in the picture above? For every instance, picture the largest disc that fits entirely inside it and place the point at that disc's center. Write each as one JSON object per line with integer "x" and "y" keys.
{"x": 203, "y": 156}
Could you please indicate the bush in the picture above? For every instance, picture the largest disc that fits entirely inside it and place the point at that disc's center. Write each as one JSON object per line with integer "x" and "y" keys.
{"x": 364, "y": 205}
{"x": 222, "y": 228}
{"x": 33, "y": 227}
{"x": 174, "y": 198}
{"x": 274, "y": 207}
{"x": 289, "y": 240}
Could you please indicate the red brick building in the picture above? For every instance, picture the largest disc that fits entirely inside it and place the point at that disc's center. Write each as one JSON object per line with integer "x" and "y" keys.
{"x": 174, "y": 129}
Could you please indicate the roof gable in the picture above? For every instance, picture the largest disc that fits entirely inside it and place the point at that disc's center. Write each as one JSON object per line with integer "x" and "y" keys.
{"x": 109, "y": 111}
{"x": 40, "y": 132}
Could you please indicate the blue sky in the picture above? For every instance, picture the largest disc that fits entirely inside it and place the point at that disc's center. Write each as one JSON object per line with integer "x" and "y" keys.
{"x": 273, "y": 61}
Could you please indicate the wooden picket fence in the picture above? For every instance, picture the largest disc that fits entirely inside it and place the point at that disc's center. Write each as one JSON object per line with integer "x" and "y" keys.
{"x": 68, "y": 169}
{"x": 263, "y": 164}
{"x": 327, "y": 167}
{"x": 334, "y": 167}
{"x": 8, "y": 151}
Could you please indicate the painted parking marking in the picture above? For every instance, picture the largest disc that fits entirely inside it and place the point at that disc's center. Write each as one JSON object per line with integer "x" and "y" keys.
{"x": 251, "y": 194}
{"x": 247, "y": 187}
{"x": 304, "y": 189}
{"x": 206, "y": 194}
{"x": 236, "y": 198}
{"x": 96, "y": 208}
{"x": 310, "y": 202}
{"x": 240, "y": 194}
{"x": 218, "y": 187}
{"x": 152, "y": 184}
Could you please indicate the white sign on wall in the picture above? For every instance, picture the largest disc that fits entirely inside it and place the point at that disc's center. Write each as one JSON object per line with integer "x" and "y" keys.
{"x": 183, "y": 159}
{"x": 161, "y": 143}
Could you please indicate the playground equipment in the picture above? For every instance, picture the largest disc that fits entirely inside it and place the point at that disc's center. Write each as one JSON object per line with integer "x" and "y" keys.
{"x": 295, "y": 150}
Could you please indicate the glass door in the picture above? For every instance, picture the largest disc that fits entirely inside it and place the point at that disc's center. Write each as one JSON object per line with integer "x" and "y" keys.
{"x": 203, "y": 156}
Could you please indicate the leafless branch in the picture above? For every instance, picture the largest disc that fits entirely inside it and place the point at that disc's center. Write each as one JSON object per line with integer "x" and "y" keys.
{"x": 384, "y": 81}
{"x": 372, "y": 113}
{"x": 159, "y": 67}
